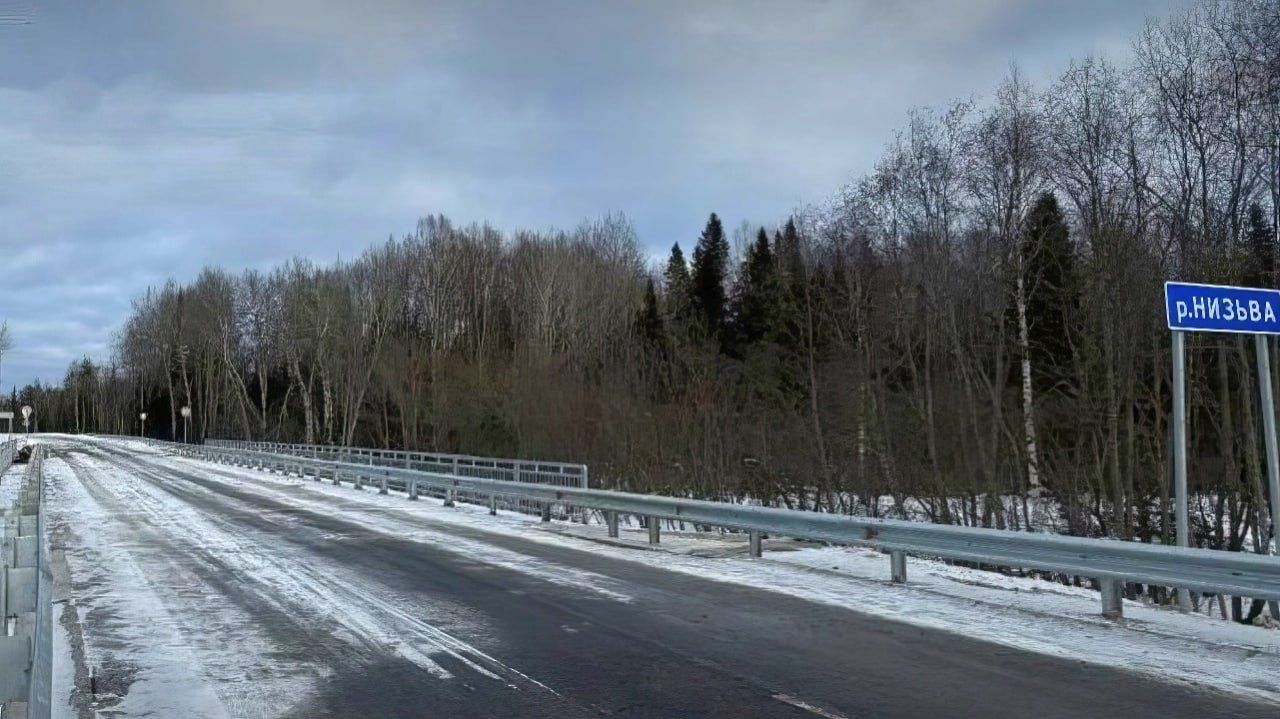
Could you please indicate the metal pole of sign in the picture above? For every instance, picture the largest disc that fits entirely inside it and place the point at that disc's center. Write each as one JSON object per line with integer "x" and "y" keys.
{"x": 1180, "y": 451}
{"x": 1269, "y": 431}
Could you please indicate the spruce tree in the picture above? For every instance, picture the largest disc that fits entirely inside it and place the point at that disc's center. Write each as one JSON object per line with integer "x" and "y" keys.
{"x": 1258, "y": 237}
{"x": 649, "y": 319}
{"x": 1052, "y": 292}
{"x": 756, "y": 297}
{"x": 787, "y": 248}
{"x": 710, "y": 259}
{"x": 791, "y": 289}
{"x": 677, "y": 308}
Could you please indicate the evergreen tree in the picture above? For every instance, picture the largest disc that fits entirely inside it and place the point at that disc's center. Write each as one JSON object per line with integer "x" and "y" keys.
{"x": 1052, "y": 293}
{"x": 710, "y": 258}
{"x": 787, "y": 248}
{"x": 791, "y": 289}
{"x": 649, "y": 319}
{"x": 677, "y": 307}
{"x": 1261, "y": 246}
{"x": 756, "y": 298}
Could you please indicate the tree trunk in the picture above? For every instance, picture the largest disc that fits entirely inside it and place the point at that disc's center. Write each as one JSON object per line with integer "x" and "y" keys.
{"x": 1028, "y": 401}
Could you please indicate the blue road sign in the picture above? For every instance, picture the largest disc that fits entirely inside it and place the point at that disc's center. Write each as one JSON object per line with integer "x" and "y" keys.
{"x": 1217, "y": 308}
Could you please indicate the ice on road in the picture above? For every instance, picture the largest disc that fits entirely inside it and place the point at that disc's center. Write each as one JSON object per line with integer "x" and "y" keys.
{"x": 200, "y": 590}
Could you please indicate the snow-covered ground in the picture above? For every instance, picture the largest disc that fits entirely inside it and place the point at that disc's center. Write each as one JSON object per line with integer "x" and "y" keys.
{"x": 1022, "y": 613}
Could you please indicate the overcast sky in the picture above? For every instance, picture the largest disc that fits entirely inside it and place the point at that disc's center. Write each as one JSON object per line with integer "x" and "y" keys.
{"x": 141, "y": 140}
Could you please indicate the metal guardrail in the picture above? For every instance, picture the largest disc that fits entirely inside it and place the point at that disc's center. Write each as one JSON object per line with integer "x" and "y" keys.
{"x": 532, "y": 471}
{"x": 536, "y": 471}
{"x": 1109, "y": 562}
{"x": 26, "y": 601}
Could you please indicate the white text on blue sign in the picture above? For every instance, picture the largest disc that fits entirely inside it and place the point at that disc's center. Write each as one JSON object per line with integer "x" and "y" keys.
{"x": 1216, "y": 308}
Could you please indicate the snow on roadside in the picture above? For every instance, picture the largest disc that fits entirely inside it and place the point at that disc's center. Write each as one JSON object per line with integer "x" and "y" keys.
{"x": 140, "y": 638}
{"x": 1023, "y": 613}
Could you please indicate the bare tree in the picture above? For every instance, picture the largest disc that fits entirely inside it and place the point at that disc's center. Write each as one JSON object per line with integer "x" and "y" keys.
{"x": 904, "y": 370}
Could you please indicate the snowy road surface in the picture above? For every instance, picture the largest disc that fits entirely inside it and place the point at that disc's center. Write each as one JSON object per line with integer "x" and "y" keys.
{"x": 198, "y": 590}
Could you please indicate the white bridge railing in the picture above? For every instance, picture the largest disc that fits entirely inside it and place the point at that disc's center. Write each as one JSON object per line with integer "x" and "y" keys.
{"x": 1110, "y": 562}
{"x": 530, "y": 471}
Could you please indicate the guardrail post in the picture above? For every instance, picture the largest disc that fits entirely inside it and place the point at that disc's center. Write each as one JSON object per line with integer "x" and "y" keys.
{"x": 493, "y": 505}
{"x": 1112, "y": 598}
{"x": 611, "y": 521}
{"x": 655, "y": 530}
{"x": 898, "y": 567}
{"x": 756, "y": 543}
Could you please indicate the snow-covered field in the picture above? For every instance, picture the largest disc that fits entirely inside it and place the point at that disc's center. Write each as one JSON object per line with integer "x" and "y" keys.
{"x": 140, "y": 626}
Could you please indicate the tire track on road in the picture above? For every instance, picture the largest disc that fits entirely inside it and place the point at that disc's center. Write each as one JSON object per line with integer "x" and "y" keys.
{"x": 300, "y": 607}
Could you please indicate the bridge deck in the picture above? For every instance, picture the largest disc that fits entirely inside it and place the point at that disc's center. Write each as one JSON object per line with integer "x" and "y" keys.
{"x": 202, "y": 590}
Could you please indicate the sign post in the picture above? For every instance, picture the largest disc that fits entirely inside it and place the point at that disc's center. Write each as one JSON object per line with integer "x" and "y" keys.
{"x": 1193, "y": 307}
{"x": 1269, "y": 435}
{"x": 1180, "y": 451}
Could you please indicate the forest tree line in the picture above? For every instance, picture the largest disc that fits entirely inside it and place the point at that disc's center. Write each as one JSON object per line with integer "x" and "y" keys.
{"x": 972, "y": 327}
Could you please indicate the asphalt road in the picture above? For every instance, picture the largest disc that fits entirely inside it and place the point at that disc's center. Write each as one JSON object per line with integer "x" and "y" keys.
{"x": 526, "y": 646}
